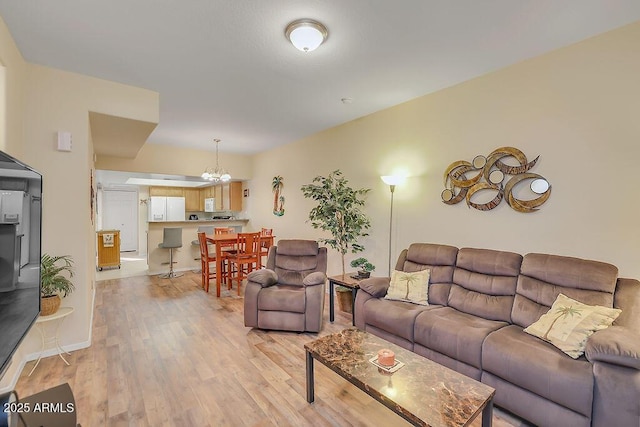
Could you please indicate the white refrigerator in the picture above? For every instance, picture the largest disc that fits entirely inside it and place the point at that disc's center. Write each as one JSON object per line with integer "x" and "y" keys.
{"x": 166, "y": 208}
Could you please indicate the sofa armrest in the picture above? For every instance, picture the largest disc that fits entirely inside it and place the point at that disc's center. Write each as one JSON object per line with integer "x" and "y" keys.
{"x": 616, "y": 345}
{"x": 263, "y": 277}
{"x": 315, "y": 278}
{"x": 375, "y": 286}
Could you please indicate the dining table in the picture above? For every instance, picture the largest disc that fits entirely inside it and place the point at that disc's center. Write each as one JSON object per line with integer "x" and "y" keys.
{"x": 223, "y": 240}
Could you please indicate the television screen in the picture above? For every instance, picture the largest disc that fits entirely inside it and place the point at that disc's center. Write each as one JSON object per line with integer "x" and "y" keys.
{"x": 20, "y": 233}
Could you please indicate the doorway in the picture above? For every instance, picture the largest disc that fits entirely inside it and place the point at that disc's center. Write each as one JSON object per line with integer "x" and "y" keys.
{"x": 120, "y": 212}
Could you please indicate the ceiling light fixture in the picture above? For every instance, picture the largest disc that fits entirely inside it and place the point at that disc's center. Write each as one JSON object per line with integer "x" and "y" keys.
{"x": 218, "y": 174}
{"x": 306, "y": 34}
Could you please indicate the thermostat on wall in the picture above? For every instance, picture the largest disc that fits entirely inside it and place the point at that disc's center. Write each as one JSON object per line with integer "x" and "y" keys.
{"x": 64, "y": 141}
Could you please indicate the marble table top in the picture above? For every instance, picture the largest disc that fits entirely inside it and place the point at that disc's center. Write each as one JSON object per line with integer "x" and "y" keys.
{"x": 422, "y": 391}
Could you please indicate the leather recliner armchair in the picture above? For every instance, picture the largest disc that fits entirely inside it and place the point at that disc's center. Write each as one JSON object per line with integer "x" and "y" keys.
{"x": 289, "y": 294}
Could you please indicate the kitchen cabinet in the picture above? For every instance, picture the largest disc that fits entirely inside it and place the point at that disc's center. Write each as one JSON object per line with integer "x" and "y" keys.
{"x": 235, "y": 196}
{"x": 167, "y": 191}
{"x": 229, "y": 197}
{"x": 192, "y": 199}
{"x": 218, "y": 196}
{"x": 208, "y": 192}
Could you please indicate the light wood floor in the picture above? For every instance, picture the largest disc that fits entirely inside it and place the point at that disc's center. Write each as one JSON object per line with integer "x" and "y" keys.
{"x": 165, "y": 353}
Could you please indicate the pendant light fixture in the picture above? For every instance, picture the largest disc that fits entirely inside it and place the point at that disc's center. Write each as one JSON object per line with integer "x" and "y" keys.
{"x": 218, "y": 174}
{"x": 306, "y": 34}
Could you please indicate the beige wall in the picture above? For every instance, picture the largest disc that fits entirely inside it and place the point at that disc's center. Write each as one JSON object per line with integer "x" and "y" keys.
{"x": 61, "y": 101}
{"x": 576, "y": 107}
{"x": 12, "y": 107}
{"x": 40, "y": 102}
{"x": 12, "y": 70}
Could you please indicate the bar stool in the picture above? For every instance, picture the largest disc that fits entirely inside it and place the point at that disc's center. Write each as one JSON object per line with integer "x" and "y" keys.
{"x": 171, "y": 239}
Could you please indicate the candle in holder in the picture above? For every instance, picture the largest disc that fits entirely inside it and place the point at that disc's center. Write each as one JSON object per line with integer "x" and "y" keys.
{"x": 386, "y": 357}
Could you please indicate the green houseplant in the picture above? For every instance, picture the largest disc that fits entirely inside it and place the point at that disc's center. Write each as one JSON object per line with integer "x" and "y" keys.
{"x": 55, "y": 280}
{"x": 364, "y": 267}
{"x": 339, "y": 211}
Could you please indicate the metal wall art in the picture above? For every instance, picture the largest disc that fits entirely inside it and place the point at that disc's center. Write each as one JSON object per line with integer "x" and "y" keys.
{"x": 463, "y": 179}
{"x": 278, "y": 199}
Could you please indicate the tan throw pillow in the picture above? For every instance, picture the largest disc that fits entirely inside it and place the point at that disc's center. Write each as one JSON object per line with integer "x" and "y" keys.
{"x": 409, "y": 287}
{"x": 569, "y": 323}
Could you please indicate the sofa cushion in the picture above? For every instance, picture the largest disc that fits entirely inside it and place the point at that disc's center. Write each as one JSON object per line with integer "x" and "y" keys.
{"x": 485, "y": 283}
{"x": 439, "y": 259}
{"x": 409, "y": 287}
{"x": 282, "y": 298}
{"x": 569, "y": 323}
{"x": 455, "y": 334}
{"x": 543, "y": 277}
{"x": 395, "y": 317}
{"x": 539, "y": 367}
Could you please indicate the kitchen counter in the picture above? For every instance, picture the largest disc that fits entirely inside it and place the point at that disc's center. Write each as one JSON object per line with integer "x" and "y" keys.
{"x": 188, "y": 256}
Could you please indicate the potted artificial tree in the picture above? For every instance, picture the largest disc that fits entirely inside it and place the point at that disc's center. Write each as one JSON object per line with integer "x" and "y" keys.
{"x": 364, "y": 267}
{"x": 55, "y": 275}
{"x": 339, "y": 211}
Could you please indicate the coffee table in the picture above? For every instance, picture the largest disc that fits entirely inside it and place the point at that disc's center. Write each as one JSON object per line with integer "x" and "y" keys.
{"x": 422, "y": 391}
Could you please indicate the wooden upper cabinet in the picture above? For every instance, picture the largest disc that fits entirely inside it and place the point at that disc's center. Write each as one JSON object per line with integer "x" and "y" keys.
{"x": 218, "y": 196}
{"x": 167, "y": 191}
{"x": 192, "y": 199}
{"x": 208, "y": 192}
{"x": 235, "y": 196}
{"x": 228, "y": 197}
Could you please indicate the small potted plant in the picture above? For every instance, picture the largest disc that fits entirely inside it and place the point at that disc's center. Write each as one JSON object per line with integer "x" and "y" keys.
{"x": 55, "y": 275}
{"x": 364, "y": 267}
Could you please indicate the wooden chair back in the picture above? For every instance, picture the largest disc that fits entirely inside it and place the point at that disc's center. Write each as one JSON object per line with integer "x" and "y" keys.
{"x": 248, "y": 244}
{"x": 223, "y": 230}
{"x": 204, "y": 248}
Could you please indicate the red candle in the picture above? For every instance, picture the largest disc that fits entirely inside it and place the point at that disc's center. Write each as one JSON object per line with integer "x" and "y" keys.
{"x": 386, "y": 357}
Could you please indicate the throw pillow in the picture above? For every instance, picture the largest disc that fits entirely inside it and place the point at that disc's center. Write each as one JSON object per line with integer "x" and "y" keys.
{"x": 569, "y": 323}
{"x": 410, "y": 287}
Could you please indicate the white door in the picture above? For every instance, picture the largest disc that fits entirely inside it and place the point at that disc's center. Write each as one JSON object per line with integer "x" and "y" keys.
{"x": 120, "y": 212}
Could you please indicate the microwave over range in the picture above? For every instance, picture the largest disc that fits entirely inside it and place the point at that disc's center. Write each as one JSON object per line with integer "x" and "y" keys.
{"x": 210, "y": 204}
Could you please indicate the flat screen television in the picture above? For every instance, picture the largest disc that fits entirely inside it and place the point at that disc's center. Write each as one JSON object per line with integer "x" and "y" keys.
{"x": 20, "y": 235}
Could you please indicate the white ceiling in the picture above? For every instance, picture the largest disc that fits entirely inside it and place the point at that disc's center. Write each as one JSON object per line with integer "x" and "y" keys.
{"x": 224, "y": 69}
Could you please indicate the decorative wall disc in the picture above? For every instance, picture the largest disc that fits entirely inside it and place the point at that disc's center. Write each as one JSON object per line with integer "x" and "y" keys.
{"x": 462, "y": 180}
{"x": 496, "y": 177}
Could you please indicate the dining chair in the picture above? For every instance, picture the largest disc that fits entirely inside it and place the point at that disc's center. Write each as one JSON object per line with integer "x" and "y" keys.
{"x": 205, "y": 261}
{"x": 266, "y": 242}
{"x": 246, "y": 259}
{"x": 206, "y": 229}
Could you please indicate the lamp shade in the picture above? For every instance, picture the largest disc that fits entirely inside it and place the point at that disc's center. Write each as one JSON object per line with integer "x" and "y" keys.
{"x": 306, "y": 34}
{"x": 392, "y": 179}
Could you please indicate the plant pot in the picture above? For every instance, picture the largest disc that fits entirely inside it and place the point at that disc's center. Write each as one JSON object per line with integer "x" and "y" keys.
{"x": 364, "y": 274}
{"x": 344, "y": 300}
{"x": 49, "y": 305}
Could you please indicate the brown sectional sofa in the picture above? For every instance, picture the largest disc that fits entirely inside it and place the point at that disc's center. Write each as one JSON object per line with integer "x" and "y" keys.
{"x": 480, "y": 301}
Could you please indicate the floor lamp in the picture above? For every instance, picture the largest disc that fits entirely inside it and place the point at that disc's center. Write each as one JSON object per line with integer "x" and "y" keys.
{"x": 391, "y": 181}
